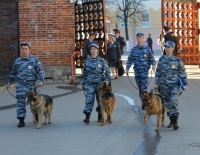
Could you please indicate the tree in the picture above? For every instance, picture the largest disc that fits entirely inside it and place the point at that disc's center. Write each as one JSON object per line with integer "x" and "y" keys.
{"x": 130, "y": 12}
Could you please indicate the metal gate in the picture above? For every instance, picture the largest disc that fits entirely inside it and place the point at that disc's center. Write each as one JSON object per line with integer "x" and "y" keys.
{"x": 182, "y": 17}
{"x": 90, "y": 17}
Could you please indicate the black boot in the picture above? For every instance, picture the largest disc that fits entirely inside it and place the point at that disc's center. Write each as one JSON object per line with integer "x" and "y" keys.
{"x": 21, "y": 122}
{"x": 99, "y": 117}
{"x": 87, "y": 118}
{"x": 175, "y": 122}
{"x": 170, "y": 124}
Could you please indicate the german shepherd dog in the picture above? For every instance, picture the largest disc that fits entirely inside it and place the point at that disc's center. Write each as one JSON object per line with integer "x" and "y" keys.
{"x": 107, "y": 101}
{"x": 154, "y": 106}
{"x": 40, "y": 105}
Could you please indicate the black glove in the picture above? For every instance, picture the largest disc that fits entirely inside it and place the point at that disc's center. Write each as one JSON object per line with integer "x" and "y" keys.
{"x": 83, "y": 87}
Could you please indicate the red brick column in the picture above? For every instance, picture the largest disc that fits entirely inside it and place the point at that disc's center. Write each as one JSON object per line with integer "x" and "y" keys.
{"x": 8, "y": 34}
{"x": 50, "y": 27}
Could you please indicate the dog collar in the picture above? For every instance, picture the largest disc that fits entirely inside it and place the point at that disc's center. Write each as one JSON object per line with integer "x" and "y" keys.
{"x": 41, "y": 100}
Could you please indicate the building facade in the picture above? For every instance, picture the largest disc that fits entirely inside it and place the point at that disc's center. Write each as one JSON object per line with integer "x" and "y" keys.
{"x": 48, "y": 25}
{"x": 150, "y": 21}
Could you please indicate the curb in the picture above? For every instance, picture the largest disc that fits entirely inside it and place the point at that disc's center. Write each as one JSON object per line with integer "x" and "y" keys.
{"x": 3, "y": 89}
{"x": 67, "y": 82}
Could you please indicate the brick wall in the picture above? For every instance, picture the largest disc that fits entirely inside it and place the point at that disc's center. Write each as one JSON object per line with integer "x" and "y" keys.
{"x": 8, "y": 33}
{"x": 49, "y": 26}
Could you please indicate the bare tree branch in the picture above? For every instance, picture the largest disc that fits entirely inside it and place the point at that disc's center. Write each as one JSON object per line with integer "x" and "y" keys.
{"x": 130, "y": 10}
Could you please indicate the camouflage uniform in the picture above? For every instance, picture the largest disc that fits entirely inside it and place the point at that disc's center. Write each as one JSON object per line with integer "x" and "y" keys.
{"x": 142, "y": 59}
{"x": 25, "y": 71}
{"x": 168, "y": 72}
{"x": 95, "y": 70}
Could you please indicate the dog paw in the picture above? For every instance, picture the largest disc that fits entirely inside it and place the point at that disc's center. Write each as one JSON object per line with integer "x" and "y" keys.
{"x": 156, "y": 130}
{"x": 38, "y": 126}
{"x": 44, "y": 123}
{"x": 49, "y": 123}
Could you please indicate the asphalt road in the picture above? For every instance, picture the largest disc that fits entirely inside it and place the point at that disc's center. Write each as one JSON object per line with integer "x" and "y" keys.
{"x": 127, "y": 135}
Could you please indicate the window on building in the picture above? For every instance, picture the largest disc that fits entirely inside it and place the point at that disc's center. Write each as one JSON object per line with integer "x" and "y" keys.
{"x": 145, "y": 19}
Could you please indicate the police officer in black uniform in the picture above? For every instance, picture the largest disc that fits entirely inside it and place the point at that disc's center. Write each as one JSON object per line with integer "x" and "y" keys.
{"x": 87, "y": 44}
{"x": 120, "y": 40}
{"x": 168, "y": 36}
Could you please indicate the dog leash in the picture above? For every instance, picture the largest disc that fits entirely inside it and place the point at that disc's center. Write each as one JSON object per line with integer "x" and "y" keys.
{"x": 84, "y": 92}
{"x": 16, "y": 97}
{"x": 39, "y": 89}
{"x": 11, "y": 94}
{"x": 135, "y": 86}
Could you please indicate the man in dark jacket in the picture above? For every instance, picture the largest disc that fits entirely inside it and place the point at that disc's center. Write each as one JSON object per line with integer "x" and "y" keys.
{"x": 87, "y": 44}
{"x": 120, "y": 40}
{"x": 150, "y": 42}
{"x": 169, "y": 37}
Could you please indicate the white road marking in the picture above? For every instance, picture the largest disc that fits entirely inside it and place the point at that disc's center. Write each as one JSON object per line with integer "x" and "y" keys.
{"x": 129, "y": 100}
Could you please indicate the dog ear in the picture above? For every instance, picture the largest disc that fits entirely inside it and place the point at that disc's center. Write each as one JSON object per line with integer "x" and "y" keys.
{"x": 35, "y": 90}
{"x": 104, "y": 85}
{"x": 151, "y": 92}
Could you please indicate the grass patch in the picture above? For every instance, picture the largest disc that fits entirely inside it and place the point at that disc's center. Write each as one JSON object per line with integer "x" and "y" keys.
{"x": 3, "y": 83}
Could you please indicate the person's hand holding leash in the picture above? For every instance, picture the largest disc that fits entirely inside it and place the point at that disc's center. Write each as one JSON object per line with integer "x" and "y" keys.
{"x": 39, "y": 84}
{"x": 83, "y": 87}
{"x": 7, "y": 87}
{"x": 127, "y": 74}
{"x": 186, "y": 87}
{"x": 153, "y": 68}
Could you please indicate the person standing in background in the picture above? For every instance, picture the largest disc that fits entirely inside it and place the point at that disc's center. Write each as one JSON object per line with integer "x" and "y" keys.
{"x": 87, "y": 44}
{"x": 121, "y": 41}
{"x": 113, "y": 55}
{"x": 168, "y": 37}
{"x": 150, "y": 42}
